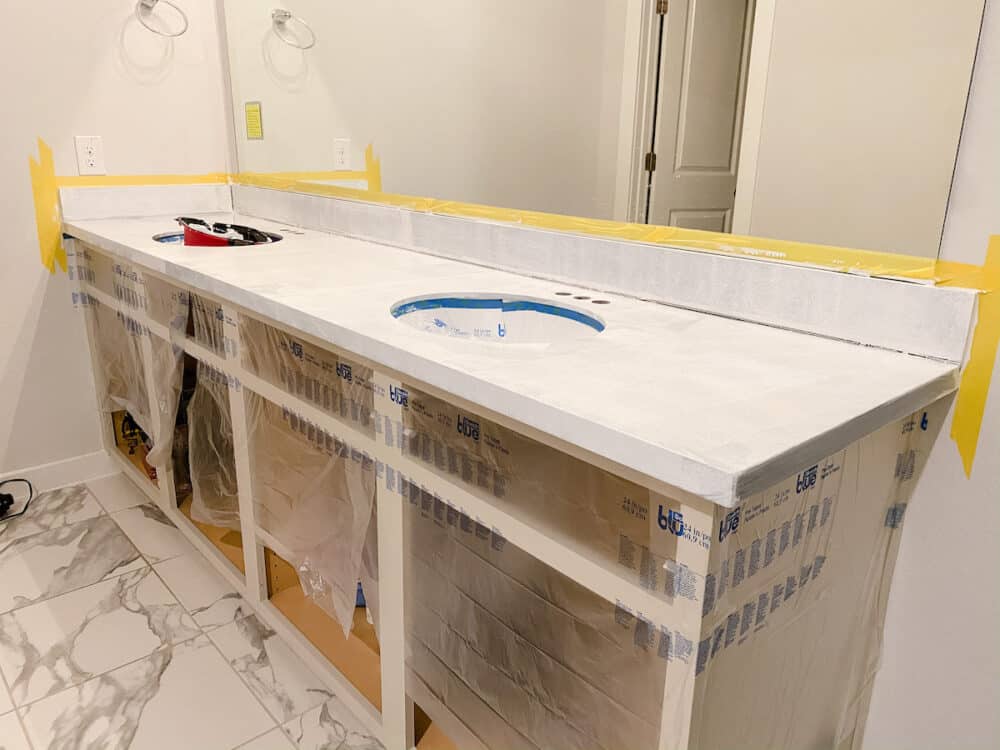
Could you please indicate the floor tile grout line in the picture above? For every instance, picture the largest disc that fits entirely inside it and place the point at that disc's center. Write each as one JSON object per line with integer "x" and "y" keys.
{"x": 100, "y": 507}
{"x": 263, "y": 734}
{"x": 132, "y": 541}
{"x": 104, "y": 513}
{"x": 278, "y": 722}
{"x": 203, "y": 631}
{"x": 214, "y": 644}
{"x": 97, "y": 500}
{"x": 190, "y": 613}
{"x": 94, "y": 494}
{"x": 252, "y": 613}
{"x": 161, "y": 647}
{"x": 17, "y": 709}
{"x": 24, "y": 729}
{"x": 16, "y": 712}
{"x": 109, "y": 577}
{"x": 228, "y": 663}
{"x": 128, "y": 536}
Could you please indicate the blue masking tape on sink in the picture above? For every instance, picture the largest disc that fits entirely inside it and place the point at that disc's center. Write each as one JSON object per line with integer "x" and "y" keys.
{"x": 492, "y": 317}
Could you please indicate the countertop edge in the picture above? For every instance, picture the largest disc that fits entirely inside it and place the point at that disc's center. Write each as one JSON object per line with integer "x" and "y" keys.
{"x": 721, "y": 486}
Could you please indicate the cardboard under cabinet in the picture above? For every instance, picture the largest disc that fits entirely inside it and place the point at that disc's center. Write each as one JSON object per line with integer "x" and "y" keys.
{"x": 227, "y": 541}
{"x": 357, "y": 656}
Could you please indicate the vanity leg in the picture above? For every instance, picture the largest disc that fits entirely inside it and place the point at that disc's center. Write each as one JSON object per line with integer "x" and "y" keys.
{"x": 397, "y": 708}
{"x": 253, "y": 550}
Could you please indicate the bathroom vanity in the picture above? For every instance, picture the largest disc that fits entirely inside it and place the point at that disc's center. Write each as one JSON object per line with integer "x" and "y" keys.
{"x": 597, "y": 493}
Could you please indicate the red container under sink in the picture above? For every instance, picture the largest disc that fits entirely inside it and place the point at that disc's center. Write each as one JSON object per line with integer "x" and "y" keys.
{"x": 199, "y": 233}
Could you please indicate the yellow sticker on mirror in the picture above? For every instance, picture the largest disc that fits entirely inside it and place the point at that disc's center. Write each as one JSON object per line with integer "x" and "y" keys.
{"x": 255, "y": 124}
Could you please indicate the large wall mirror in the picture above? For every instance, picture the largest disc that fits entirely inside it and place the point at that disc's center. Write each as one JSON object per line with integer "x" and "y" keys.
{"x": 828, "y": 122}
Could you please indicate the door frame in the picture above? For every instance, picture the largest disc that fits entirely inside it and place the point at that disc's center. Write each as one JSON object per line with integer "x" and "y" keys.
{"x": 637, "y": 114}
{"x": 753, "y": 115}
{"x": 638, "y": 110}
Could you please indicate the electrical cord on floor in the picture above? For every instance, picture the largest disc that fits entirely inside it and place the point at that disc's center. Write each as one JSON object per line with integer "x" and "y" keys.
{"x": 7, "y": 499}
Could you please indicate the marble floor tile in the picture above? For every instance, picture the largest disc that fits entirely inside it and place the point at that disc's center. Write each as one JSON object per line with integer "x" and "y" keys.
{"x": 330, "y": 726}
{"x": 6, "y": 704}
{"x": 55, "y": 644}
{"x": 53, "y": 562}
{"x": 11, "y": 735}
{"x": 117, "y": 492}
{"x": 203, "y": 592}
{"x": 50, "y": 510}
{"x": 181, "y": 697}
{"x": 273, "y": 740}
{"x": 279, "y": 678}
{"x": 153, "y": 533}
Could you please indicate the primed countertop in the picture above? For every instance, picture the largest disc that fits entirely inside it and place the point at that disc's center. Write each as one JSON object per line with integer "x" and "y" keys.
{"x": 716, "y": 407}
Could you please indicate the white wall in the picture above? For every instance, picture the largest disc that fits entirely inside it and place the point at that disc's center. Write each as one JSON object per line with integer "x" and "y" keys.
{"x": 512, "y": 104}
{"x": 939, "y": 686}
{"x": 862, "y": 112}
{"x": 84, "y": 68}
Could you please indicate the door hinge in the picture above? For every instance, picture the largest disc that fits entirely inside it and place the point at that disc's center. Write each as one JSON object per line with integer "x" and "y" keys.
{"x": 661, "y": 7}
{"x": 650, "y": 162}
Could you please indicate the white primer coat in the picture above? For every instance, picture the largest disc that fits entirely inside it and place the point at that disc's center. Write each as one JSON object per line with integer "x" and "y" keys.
{"x": 715, "y": 407}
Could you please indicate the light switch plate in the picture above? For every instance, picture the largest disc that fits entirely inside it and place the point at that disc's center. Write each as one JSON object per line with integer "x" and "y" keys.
{"x": 341, "y": 153}
{"x": 90, "y": 154}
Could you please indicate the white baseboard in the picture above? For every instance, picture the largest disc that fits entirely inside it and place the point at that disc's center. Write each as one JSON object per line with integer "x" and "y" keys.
{"x": 68, "y": 471}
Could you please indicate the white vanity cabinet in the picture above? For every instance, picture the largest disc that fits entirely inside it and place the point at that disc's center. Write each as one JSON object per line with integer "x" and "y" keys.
{"x": 527, "y": 590}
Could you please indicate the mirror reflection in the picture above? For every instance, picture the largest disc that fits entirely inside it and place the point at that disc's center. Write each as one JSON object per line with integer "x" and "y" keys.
{"x": 834, "y": 123}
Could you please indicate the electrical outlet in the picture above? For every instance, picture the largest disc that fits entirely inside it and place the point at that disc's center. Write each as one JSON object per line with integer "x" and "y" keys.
{"x": 89, "y": 154}
{"x": 341, "y": 153}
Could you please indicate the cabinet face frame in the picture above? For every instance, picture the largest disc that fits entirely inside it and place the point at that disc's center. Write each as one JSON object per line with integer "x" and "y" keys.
{"x": 393, "y": 726}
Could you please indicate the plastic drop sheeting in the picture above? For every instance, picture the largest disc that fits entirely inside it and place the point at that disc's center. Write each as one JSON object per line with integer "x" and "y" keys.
{"x": 119, "y": 352}
{"x": 339, "y": 386}
{"x": 614, "y": 519}
{"x": 215, "y": 499}
{"x": 773, "y": 643}
{"x": 541, "y": 661}
{"x": 342, "y": 388}
{"x": 315, "y": 494}
{"x": 120, "y": 338}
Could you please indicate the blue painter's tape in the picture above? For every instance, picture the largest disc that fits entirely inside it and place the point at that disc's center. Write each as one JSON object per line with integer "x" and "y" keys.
{"x": 496, "y": 303}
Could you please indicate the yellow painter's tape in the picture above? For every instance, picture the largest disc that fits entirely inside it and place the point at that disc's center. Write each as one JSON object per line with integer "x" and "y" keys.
{"x": 307, "y": 177}
{"x": 130, "y": 180}
{"x": 976, "y": 377}
{"x": 373, "y": 168}
{"x": 48, "y": 220}
{"x": 836, "y": 258}
{"x": 978, "y": 374}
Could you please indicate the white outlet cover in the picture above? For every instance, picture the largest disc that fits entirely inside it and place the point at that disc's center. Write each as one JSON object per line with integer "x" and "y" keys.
{"x": 341, "y": 153}
{"x": 89, "y": 154}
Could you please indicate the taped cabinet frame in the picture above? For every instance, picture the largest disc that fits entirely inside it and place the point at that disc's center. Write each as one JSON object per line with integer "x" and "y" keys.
{"x": 394, "y": 726}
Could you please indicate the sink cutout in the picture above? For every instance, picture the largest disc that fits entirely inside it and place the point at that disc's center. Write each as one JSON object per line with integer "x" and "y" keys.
{"x": 170, "y": 238}
{"x": 498, "y": 318}
{"x": 177, "y": 238}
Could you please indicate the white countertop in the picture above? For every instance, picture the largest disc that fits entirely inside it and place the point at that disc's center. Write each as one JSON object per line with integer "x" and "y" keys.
{"x": 709, "y": 405}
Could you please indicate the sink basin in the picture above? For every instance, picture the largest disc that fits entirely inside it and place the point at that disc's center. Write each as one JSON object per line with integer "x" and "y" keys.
{"x": 170, "y": 238}
{"x": 499, "y": 318}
